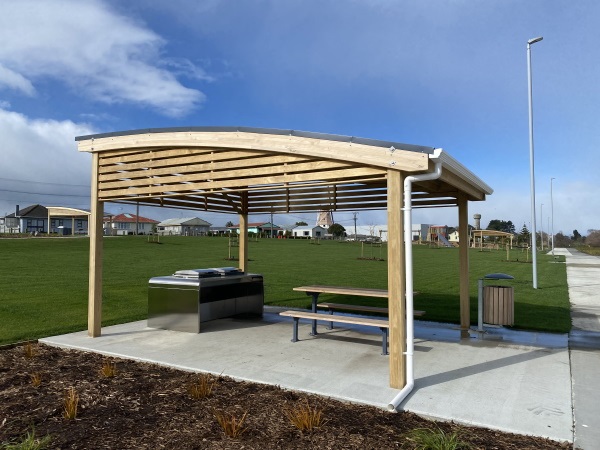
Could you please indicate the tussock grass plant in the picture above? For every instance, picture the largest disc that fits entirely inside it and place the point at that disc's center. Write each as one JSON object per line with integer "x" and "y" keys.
{"x": 30, "y": 350}
{"x": 231, "y": 425}
{"x": 201, "y": 386}
{"x": 436, "y": 439}
{"x": 109, "y": 369}
{"x": 36, "y": 379}
{"x": 303, "y": 417}
{"x": 29, "y": 442}
{"x": 70, "y": 403}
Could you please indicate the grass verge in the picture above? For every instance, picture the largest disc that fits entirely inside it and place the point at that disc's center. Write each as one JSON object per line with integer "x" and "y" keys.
{"x": 44, "y": 287}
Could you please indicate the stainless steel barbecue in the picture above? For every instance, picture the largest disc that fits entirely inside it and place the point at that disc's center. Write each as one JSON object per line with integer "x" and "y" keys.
{"x": 184, "y": 300}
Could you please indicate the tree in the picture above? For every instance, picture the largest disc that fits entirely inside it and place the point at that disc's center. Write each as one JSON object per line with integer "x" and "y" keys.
{"x": 560, "y": 240}
{"x": 576, "y": 236}
{"x": 229, "y": 224}
{"x": 301, "y": 224}
{"x": 501, "y": 225}
{"x": 337, "y": 230}
{"x": 524, "y": 236}
{"x": 593, "y": 238}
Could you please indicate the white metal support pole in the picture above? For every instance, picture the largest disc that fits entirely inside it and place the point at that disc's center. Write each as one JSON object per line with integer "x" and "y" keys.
{"x": 531, "y": 163}
{"x": 552, "y": 214}
{"x": 542, "y": 225}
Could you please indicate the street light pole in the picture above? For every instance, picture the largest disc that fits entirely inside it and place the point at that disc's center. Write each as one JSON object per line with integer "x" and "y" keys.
{"x": 542, "y": 225}
{"x": 552, "y": 214}
{"x": 531, "y": 162}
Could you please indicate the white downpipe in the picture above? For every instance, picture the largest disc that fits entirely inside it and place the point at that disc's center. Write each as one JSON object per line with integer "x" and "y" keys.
{"x": 408, "y": 263}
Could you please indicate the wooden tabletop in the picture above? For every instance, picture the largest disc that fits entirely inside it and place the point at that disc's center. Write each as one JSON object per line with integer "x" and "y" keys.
{"x": 364, "y": 292}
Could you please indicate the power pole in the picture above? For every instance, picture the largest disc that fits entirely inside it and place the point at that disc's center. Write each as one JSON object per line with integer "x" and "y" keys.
{"x": 355, "y": 214}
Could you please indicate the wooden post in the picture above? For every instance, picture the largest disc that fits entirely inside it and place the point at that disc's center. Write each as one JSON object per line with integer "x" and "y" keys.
{"x": 243, "y": 243}
{"x": 95, "y": 273}
{"x": 396, "y": 280}
{"x": 463, "y": 250}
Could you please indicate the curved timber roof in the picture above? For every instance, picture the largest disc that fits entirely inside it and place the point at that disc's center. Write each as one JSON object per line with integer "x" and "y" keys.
{"x": 252, "y": 170}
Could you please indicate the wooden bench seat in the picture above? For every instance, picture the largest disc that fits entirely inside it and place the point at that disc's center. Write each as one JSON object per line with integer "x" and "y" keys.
{"x": 346, "y": 307}
{"x": 383, "y": 325}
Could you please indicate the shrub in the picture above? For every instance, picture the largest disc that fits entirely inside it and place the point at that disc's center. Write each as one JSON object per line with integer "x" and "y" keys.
{"x": 36, "y": 379}
{"x": 436, "y": 439}
{"x": 109, "y": 369}
{"x": 29, "y": 350}
{"x": 70, "y": 403}
{"x": 303, "y": 417}
{"x": 231, "y": 425}
{"x": 201, "y": 386}
{"x": 29, "y": 442}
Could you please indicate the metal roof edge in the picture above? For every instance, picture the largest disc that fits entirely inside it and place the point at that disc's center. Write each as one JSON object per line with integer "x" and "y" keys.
{"x": 274, "y": 131}
{"x": 456, "y": 167}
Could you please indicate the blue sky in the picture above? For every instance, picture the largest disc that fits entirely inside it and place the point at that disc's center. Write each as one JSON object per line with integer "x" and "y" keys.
{"x": 443, "y": 73}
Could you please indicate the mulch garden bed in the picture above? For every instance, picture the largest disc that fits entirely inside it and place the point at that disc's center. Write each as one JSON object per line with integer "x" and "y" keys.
{"x": 149, "y": 406}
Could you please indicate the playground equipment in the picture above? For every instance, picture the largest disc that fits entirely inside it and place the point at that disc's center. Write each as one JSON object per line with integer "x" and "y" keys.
{"x": 438, "y": 234}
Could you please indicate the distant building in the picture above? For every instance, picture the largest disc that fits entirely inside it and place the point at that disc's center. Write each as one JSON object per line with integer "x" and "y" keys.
{"x": 419, "y": 231}
{"x": 189, "y": 226}
{"x": 324, "y": 219}
{"x": 453, "y": 237}
{"x": 123, "y": 224}
{"x": 41, "y": 219}
{"x": 265, "y": 228}
{"x": 309, "y": 232}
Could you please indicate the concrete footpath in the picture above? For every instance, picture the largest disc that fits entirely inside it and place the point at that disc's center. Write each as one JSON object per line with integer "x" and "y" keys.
{"x": 583, "y": 277}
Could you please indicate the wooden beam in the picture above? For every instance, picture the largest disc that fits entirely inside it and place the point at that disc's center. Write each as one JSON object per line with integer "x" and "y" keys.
{"x": 396, "y": 280}
{"x": 463, "y": 251}
{"x": 243, "y": 247}
{"x": 96, "y": 232}
{"x": 122, "y": 188}
{"x": 322, "y": 149}
{"x": 221, "y": 161}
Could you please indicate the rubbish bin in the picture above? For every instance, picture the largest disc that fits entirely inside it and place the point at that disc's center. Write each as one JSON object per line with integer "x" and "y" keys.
{"x": 496, "y": 303}
{"x": 499, "y": 305}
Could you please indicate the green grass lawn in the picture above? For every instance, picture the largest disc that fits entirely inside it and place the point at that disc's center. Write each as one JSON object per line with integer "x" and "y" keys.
{"x": 43, "y": 287}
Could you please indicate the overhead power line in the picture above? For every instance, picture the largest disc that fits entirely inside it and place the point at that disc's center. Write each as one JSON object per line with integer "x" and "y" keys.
{"x": 44, "y": 193}
{"x": 44, "y": 182}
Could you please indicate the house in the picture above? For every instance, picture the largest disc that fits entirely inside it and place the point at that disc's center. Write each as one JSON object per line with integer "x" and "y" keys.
{"x": 453, "y": 237}
{"x": 36, "y": 218}
{"x": 220, "y": 231}
{"x": 189, "y": 226}
{"x": 267, "y": 228}
{"x": 309, "y": 232}
{"x": 123, "y": 224}
{"x": 419, "y": 231}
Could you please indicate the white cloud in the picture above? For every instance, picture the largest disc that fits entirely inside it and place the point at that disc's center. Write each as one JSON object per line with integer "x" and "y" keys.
{"x": 87, "y": 45}
{"x": 43, "y": 155}
{"x": 13, "y": 80}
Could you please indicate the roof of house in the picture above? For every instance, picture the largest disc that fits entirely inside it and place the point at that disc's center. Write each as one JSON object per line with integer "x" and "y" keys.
{"x": 185, "y": 221}
{"x": 131, "y": 218}
{"x": 257, "y": 225}
{"x": 308, "y": 227}
{"x": 32, "y": 211}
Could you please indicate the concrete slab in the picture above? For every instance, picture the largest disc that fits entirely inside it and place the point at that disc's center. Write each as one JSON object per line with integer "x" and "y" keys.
{"x": 583, "y": 278}
{"x": 494, "y": 383}
{"x": 585, "y": 367}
